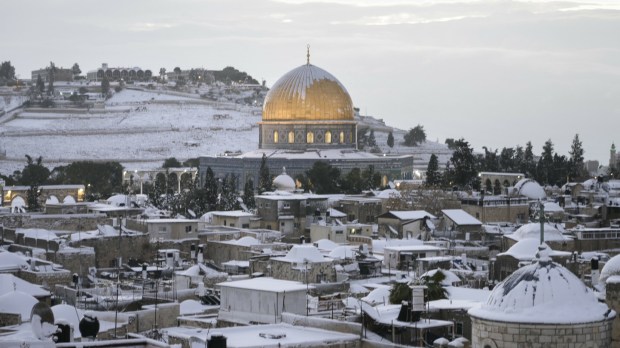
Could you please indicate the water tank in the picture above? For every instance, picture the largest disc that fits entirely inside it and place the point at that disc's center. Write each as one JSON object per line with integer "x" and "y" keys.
{"x": 89, "y": 326}
{"x": 64, "y": 333}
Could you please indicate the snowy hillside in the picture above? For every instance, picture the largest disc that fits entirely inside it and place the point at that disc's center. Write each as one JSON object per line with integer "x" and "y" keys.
{"x": 142, "y": 128}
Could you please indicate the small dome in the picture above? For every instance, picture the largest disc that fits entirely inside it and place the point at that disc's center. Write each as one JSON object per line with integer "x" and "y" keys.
{"x": 308, "y": 93}
{"x": 543, "y": 292}
{"x": 532, "y": 230}
{"x": 284, "y": 182}
{"x": 530, "y": 189}
{"x": 611, "y": 268}
{"x": 17, "y": 302}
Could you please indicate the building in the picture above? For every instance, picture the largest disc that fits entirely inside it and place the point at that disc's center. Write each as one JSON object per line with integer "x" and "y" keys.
{"x": 495, "y": 182}
{"x": 166, "y": 229}
{"x": 261, "y": 300}
{"x": 542, "y": 305}
{"x": 341, "y": 233}
{"x": 59, "y": 75}
{"x": 17, "y": 196}
{"x": 308, "y": 116}
{"x": 497, "y": 208}
{"x": 461, "y": 225}
{"x": 303, "y": 263}
{"x": 361, "y": 208}
{"x": 404, "y": 224}
{"x": 233, "y": 218}
{"x": 119, "y": 73}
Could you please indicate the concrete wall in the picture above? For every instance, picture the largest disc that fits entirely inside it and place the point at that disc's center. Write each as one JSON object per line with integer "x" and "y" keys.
{"x": 8, "y": 319}
{"x": 293, "y": 271}
{"x": 612, "y": 298}
{"x": 500, "y": 213}
{"x": 513, "y": 335}
{"x": 249, "y": 305}
{"x": 48, "y": 279}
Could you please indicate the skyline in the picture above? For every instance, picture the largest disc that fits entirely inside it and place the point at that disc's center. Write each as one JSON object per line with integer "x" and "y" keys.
{"x": 497, "y": 73}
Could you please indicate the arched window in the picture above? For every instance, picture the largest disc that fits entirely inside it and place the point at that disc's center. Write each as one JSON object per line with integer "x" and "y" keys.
{"x": 310, "y": 137}
{"x": 341, "y": 137}
{"x": 328, "y": 137}
{"x": 291, "y": 137}
{"x": 276, "y": 137}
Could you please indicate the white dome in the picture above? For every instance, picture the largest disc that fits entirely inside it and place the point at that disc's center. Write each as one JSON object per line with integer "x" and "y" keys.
{"x": 342, "y": 252}
{"x": 532, "y": 230}
{"x": 530, "y": 189}
{"x": 69, "y": 314}
{"x": 284, "y": 182}
{"x": 611, "y": 268}
{"x": 543, "y": 292}
{"x": 17, "y": 302}
{"x": 449, "y": 280}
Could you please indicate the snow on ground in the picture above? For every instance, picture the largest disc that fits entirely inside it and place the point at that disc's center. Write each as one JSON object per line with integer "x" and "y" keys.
{"x": 142, "y": 128}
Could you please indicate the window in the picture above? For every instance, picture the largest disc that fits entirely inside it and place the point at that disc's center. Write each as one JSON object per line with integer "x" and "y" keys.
{"x": 245, "y": 225}
{"x": 275, "y": 137}
{"x": 188, "y": 229}
{"x": 163, "y": 229}
{"x": 328, "y": 137}
{"x": 267, "y": 205}
{"x": 281, "y": 223}
{"x": 291, "y": 137}
{"x": 232, "y": 225}
{"x": 286, "y": 205}
{"x": 459, "y": 328}
{"x": 341, "y": 137}
{"x": 310, "y": 137}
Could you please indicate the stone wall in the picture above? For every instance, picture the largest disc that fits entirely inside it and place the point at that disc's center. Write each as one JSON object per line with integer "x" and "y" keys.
{"x": 47, "y": 279}
{"x": 8, "y": 319}
{"x": 293, "y": 271}
{"x": 77, "y": 260}
{"x": 612, "y": 298}
{"x": 70, "y": 222}
{"x": 514, "y": 335}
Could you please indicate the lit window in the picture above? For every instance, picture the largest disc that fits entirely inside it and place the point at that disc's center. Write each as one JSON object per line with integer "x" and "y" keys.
{"x": 275, "y": 137}
{"x": 341, "y": 137}
{"x": 291, "y": 137}
{"x": 328, "y": 137}
{"x": 310, "y": 138}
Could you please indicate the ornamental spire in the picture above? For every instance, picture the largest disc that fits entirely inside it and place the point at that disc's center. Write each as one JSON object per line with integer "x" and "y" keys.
{"x": 308, "y": 54}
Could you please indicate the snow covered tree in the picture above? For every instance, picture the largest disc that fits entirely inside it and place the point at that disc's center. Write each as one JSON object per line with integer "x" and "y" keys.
{"x": 545, "y": 164}
{"x": 433, "y": 177}
{"x": 370, "y": 179}
{"x": 372, "y": 141}
{"x": 229, "y": 197}
{"x": 390, "y": 140}
{"x": 40, "y": 86}
{"x": 264, "y": 177}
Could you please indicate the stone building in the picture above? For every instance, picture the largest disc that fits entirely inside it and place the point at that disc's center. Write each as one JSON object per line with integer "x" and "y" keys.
{"x": 53, "y": 193}
{"x": 542, "y": 305}
{"x": 520, "y": 254}
{"x": 59, "y": 75}
{"x": 303, "y": 263}
{"x": 497, "y": 208}
{"x": 553, "y": 236}
{"x": 119, "y": 73}
{"x": 361, "y": 208}
{"x": 461, "y": 225}
{"x": 308, "y": 116}
{"x": 404, "y": 224}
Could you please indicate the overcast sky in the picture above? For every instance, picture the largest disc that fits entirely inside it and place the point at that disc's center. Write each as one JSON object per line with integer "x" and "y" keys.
{"x": 495, "y": 72}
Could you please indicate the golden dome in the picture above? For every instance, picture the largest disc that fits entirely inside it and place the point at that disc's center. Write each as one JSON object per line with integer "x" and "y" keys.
{"x": 308, "y": 93}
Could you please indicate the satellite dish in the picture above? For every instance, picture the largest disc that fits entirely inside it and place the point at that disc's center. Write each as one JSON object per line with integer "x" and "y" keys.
{"x": 191, "y": 212}
{"x": 42, "y": 321}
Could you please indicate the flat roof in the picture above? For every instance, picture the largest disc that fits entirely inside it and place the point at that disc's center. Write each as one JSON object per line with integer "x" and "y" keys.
{"x": 266, "y": 284}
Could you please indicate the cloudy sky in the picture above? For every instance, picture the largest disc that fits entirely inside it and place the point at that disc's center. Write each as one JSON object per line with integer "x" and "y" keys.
{"x": 495, "y": 72}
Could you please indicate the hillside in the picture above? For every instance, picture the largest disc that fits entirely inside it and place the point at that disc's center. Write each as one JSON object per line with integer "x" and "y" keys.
{"x": 141, "y": 128}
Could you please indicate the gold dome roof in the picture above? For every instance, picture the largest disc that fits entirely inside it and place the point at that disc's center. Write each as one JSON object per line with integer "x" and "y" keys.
{"x": 308, "y": 93}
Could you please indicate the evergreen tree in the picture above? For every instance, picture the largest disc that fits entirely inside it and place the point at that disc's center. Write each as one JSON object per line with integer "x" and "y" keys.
{"x": 545, "y": 164}
{"x": 171, "y": 162}
{"x": 248, "y": 194}
{"x": 264, "y": 177}
{"x": 464, "y": 164}
{"x": 210, "y": 190}
{"x": 519, "y": 158}
{"x": 228, "y": 196}
{"x": 433, "y": 176}
{"x": 370, "y": 179}
{"x": 323, "y": 178}
{"x": 7, "y": 71}
{"x": 529, "y": 166}
{"x": 40, "y": 85}
{"x": 490, "y": 161}
{"x": 52, "y": 77}
{"x": 352, "y": 182}
{"x": 390, "y": 140}
{"x": 76, "y": 70}
{"x": 576, "y": 159}
{"x": 415, "y": 136}
{"x": 372, "y": 142}
{"x": 105, "y": 86}
{"x": 507, "y": 160}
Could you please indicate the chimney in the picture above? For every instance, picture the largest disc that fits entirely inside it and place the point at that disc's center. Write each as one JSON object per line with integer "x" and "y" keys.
{"x": 595, "y": 272}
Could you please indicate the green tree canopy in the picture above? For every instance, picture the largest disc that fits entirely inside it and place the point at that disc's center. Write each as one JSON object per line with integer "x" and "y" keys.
{"x": 171, "y": 163}
{"x": 433, "y": 176}
{"x": 323, "y": 178}
{"x": 390, "y": 140}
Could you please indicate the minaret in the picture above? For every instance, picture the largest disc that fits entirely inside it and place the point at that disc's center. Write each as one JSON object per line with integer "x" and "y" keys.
{"x": 613, "y": 158}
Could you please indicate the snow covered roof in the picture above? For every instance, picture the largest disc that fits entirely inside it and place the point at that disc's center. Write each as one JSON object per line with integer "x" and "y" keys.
{"x": 325, "y": 244}
{"x": 387, "y": 193}
{"x": 343, "y": 252}
{"x": 530, "y": 189}
{"x": 231, "y": 213}
{"x": 10, "y": 283}
{"x": 543, "y": 292}
{"x": 449, "y": 280}
{"x": 199, "y": 269}
{"x": 532, "y": 230}
{"x": 265, "y": 284}
{"x": 379, "y": 244}
{"x": 37, "y": 233}
{"x": 69, "y": 314}
{"x": 553, "y": 207}
{"x": 379, "y": 295}
{"x": 244, "y": 241}
{"x": 336, "y": 213}
{"x": 12, "y": 261}
{"x": 461, "y": 217}
{"x": 408, "y": 214}
{"x": 17, "y": 302}
{"x": 302, "y": 253}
